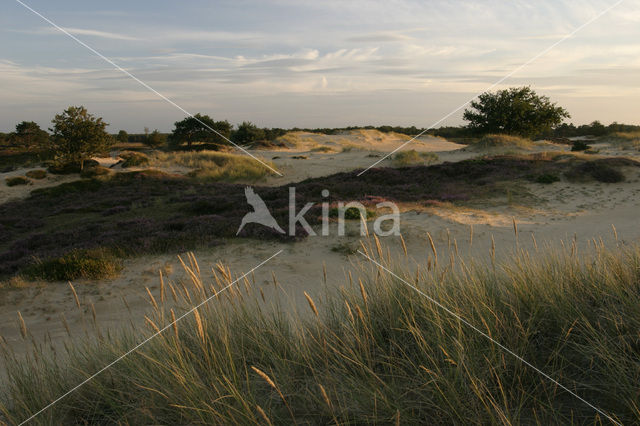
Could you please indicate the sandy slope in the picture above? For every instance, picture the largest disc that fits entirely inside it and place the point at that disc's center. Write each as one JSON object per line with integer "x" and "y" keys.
{"x": 563, "y": 211}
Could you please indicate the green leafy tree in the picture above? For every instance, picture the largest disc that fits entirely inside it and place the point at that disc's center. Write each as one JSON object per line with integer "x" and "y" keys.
{"x": 123, "y": 136}
{"x": 247, "y": 133}
{"x": 515, "y": 111}
{"x": 29, "y": 135}
{"x": 200, "y": 128}
{"x": 78, "y": 135}
{"x": 598, "y": 129}
{"x": 156, "y": 139}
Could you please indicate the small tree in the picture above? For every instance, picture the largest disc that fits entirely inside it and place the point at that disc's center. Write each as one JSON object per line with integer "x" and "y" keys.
{"x": 156, "y": 139}
{"x": 78, "y": 135}
{"x": 123, "y": 136}
{"x": 248, "y": 132}
{"x": 516, "y": 111}
{"x": 200, "y": 128}
{"x": 29, "y": 135}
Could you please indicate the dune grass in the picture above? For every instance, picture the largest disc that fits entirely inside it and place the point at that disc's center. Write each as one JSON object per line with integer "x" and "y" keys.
{"x": 496, "y": 141}
{"x": 375, "y": 352}
{"x": 88, "y": 264}
{"x": 218, "y": 166}
{"x": 17, "y": 180}
{"x": 414, "y": 158}
{"x": 323, "y": 149}
{"x": 627, "y": 140}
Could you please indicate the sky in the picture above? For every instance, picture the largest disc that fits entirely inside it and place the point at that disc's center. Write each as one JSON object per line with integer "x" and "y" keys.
{"x": 330, "y": 63}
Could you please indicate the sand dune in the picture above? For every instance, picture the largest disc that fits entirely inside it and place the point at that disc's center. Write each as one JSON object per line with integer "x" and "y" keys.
{"x": 561, "y": 211}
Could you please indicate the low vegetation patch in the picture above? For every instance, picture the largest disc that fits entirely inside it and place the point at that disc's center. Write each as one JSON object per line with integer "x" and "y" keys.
{"x": 501, "y": 141}
{"x": 67, "y": 168}
{"x": 414, "y": 158}
{"x": 600, "y": 170}
{"x": 322, "y": 148}
{"x": 89, "y": 264}
{"x": 150, "y": 211}
{"x": 17, "y": 180}
{"x": 547, "y": 178}
{"x": 134, "y": 159}
{"x": 580, "y": 146}
{"x": 351, "y": 213}
{"x": 626, "y": 140}
{"x": 91, "y": 172}
{"x": 218, "y": 166}
{"x": 375, "y": 352}
{"x": 36, "y": 174}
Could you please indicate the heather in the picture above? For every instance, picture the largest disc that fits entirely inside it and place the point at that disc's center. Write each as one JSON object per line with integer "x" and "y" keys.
{"x": 145, "y": 212}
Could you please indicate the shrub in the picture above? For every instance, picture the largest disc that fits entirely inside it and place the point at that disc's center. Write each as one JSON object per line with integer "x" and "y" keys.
{"x": 91, "y": 172}
{"x": 625, "y": 139}
{"x": 322, "y": 148}
{"x": 17, "y": 180}
{"x": 345, "y": 249}
{"x": 352, "y": 213}
{"x": 413, "y": 158}
{"x": 68, "y": 168}
{"x": 547, "y": 178}
{"x": 134, "y": 159}
{"x": 36, "y": 174}
{"x": 219, "y": 166}
{"x": 580, "y": 146}
{"x": 597, "y": 170}
{"x": 90, "y": 264}
{"x": 501, "y": 141}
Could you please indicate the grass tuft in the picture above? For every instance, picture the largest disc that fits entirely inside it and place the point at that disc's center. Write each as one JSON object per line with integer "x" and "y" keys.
{"x": 502, "y": 141}
{"x": 89, "y": 264}
{"x": 374, "y": 352}
{"x": 134, "y": 159}
{"x": 218, "y": 166}
{"x": 414, "y": 158}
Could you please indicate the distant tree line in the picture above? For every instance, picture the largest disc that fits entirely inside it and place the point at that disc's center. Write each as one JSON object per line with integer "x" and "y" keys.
{"x": 76, "y": 134}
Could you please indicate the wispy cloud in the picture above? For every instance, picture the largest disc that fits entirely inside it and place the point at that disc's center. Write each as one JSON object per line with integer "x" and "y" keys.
{"x": 88, "y": 33}
{"x": 210, "y": 55}
{"x": 379, "y": 37}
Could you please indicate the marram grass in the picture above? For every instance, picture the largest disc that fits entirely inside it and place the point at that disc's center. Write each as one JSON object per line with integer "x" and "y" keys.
{"x": 218, "y": 166}
{"x": 374, "y": 351}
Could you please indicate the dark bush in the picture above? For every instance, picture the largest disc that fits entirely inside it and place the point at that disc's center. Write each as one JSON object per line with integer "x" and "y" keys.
{"x": 17, "y": 180}
{"x": 547, "y": 178}
{"x": 597, "y": 170}
{"x": 580, "y": 146}
{"x": 71, "y": 167}
{"x": 133, "y": 159}
{"x": 36, "y": 174}
{"x": 90, "y": 172}
{"x": 352, "y": 213}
